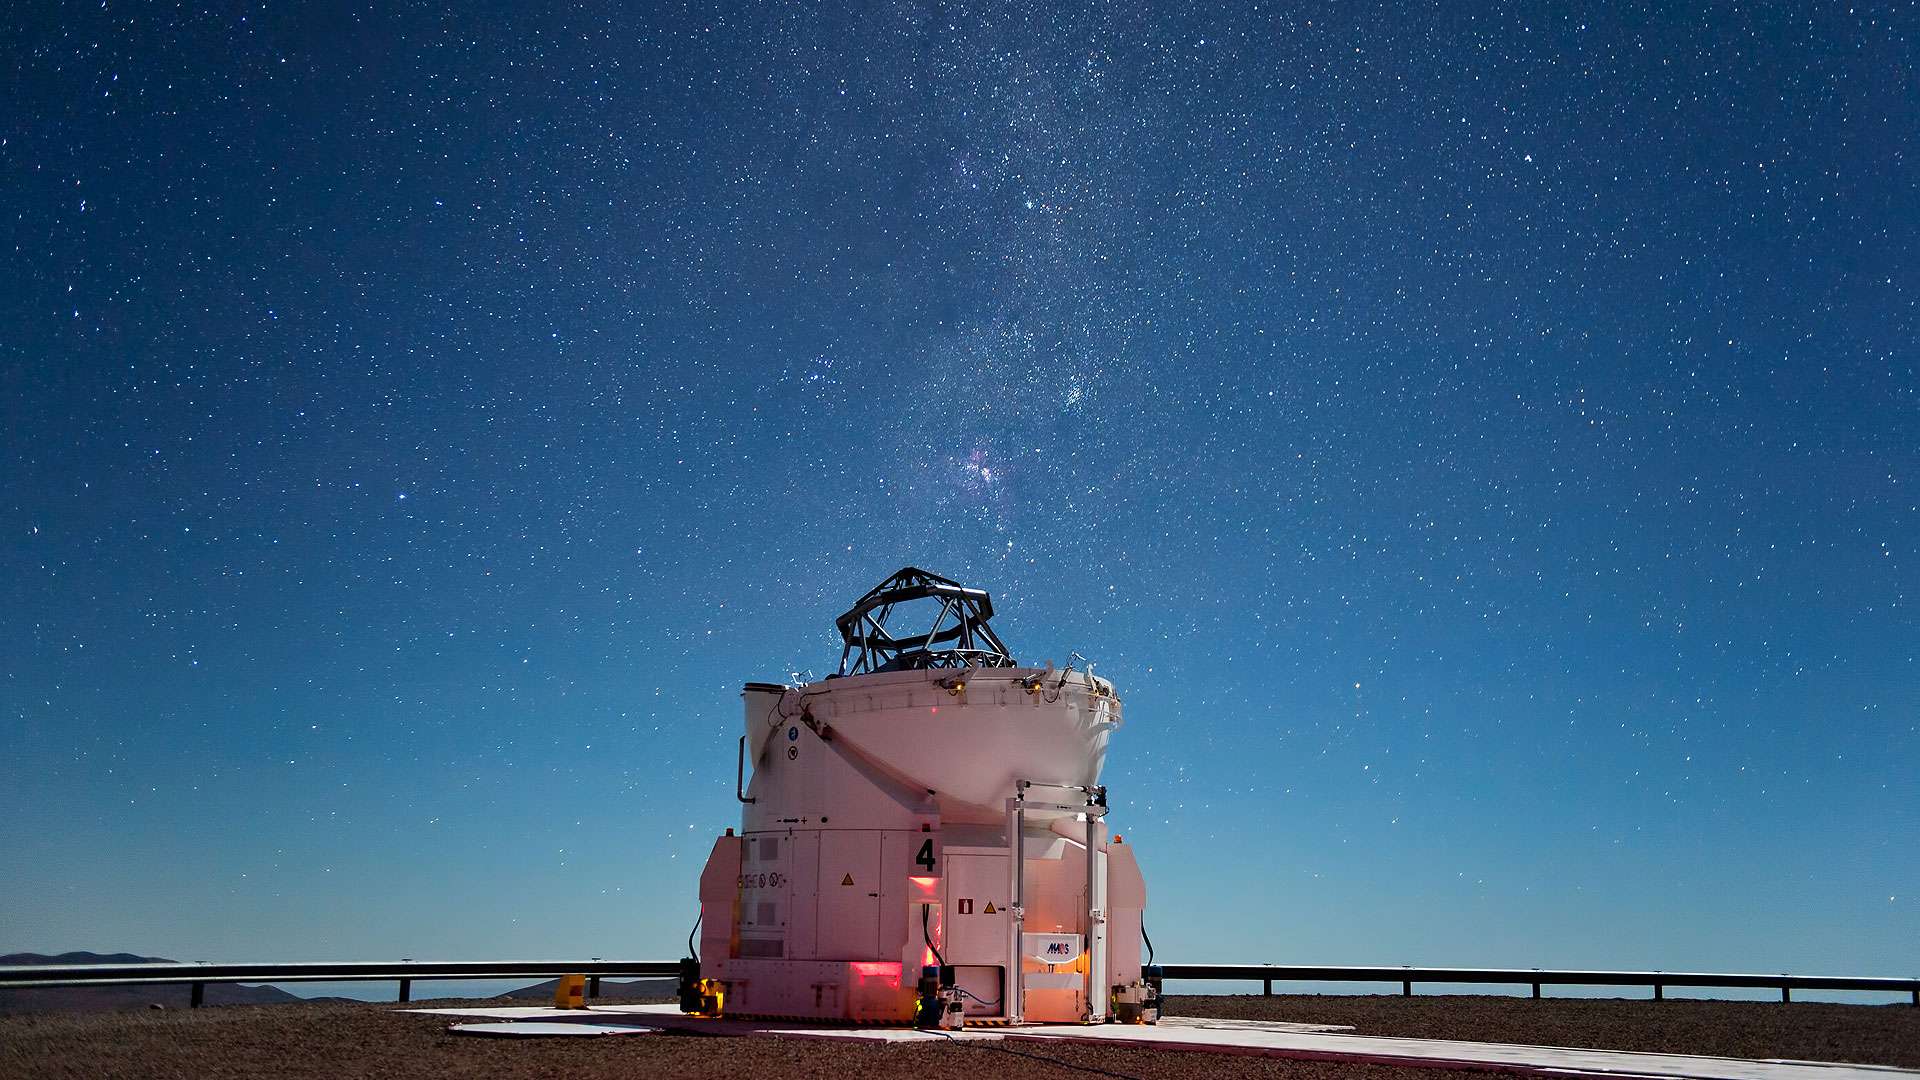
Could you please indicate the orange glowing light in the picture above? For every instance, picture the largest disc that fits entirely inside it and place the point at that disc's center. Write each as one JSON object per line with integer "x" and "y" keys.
{"x": 887, "y": 969}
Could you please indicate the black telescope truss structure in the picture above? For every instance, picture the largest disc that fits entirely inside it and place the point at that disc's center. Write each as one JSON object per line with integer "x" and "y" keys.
{"x": 958, "y": 637}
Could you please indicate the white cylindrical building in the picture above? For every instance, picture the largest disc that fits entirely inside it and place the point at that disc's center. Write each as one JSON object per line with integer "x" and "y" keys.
{"x": 929, "y": 808}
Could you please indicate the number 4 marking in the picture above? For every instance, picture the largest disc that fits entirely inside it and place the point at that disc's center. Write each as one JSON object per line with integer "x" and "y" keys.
{"x": 925, "y": 858}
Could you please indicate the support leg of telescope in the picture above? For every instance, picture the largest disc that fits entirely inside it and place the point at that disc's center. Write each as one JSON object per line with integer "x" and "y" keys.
{"x": 1013, "y": 1006}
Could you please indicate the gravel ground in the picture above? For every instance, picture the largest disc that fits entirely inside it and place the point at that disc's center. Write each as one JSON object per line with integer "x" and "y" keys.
{"x": 1800, "y": 1031}
{"x": 349, "y": 1042}
{"x": 345, "y": 1042}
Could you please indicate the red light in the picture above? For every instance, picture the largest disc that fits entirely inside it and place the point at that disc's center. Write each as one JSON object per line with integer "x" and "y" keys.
{"x": 927, "y": 960}
{"x": 925, "y": 884}
{"x": 888, "y": 969}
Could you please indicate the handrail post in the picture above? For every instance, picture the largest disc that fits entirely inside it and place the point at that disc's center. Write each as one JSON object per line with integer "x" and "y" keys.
{"x": 199, "y": 995}
{"x": 1536, "y": 991}
{"x": 1266, "y": 988}
{"x": 406, "y": 989}
{"x": 1406, "y": 988}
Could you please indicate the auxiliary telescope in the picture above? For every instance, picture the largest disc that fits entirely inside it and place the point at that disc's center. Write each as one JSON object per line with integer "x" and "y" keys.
{"x": 924, "y": 837}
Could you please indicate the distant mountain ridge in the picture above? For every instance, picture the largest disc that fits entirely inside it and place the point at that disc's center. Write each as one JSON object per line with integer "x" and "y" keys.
{"x": 110, "y": 998}
{"x": 664, "y": 989}
{"x": 23, "y": 958}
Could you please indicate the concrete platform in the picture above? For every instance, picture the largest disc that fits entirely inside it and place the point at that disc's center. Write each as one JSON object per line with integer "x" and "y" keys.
{"x": 1308, "y": 1042}
{"x": 670, "y": 1018}
{"x": 538, "y": 1029}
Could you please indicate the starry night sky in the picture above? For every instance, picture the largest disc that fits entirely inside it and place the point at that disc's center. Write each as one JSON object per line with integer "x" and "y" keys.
{"x": 1480, "y": 442}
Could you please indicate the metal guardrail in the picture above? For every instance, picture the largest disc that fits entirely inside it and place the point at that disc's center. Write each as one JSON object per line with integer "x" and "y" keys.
{"x": 407, "y": 972}
{"x": 1268, "y": 974}
{"x": 404, "y": 972}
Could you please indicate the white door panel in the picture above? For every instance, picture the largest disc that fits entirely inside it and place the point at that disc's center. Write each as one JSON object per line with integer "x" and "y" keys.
{"x": 849, "y": 912}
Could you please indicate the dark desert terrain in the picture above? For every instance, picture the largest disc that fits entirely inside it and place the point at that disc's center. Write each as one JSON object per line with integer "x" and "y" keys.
{"x": 339, "y": 1041}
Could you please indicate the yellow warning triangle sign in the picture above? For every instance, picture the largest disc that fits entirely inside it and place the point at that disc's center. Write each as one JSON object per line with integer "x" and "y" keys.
{"x": 848, "y": 880}
{"x": 989, "y": 907}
